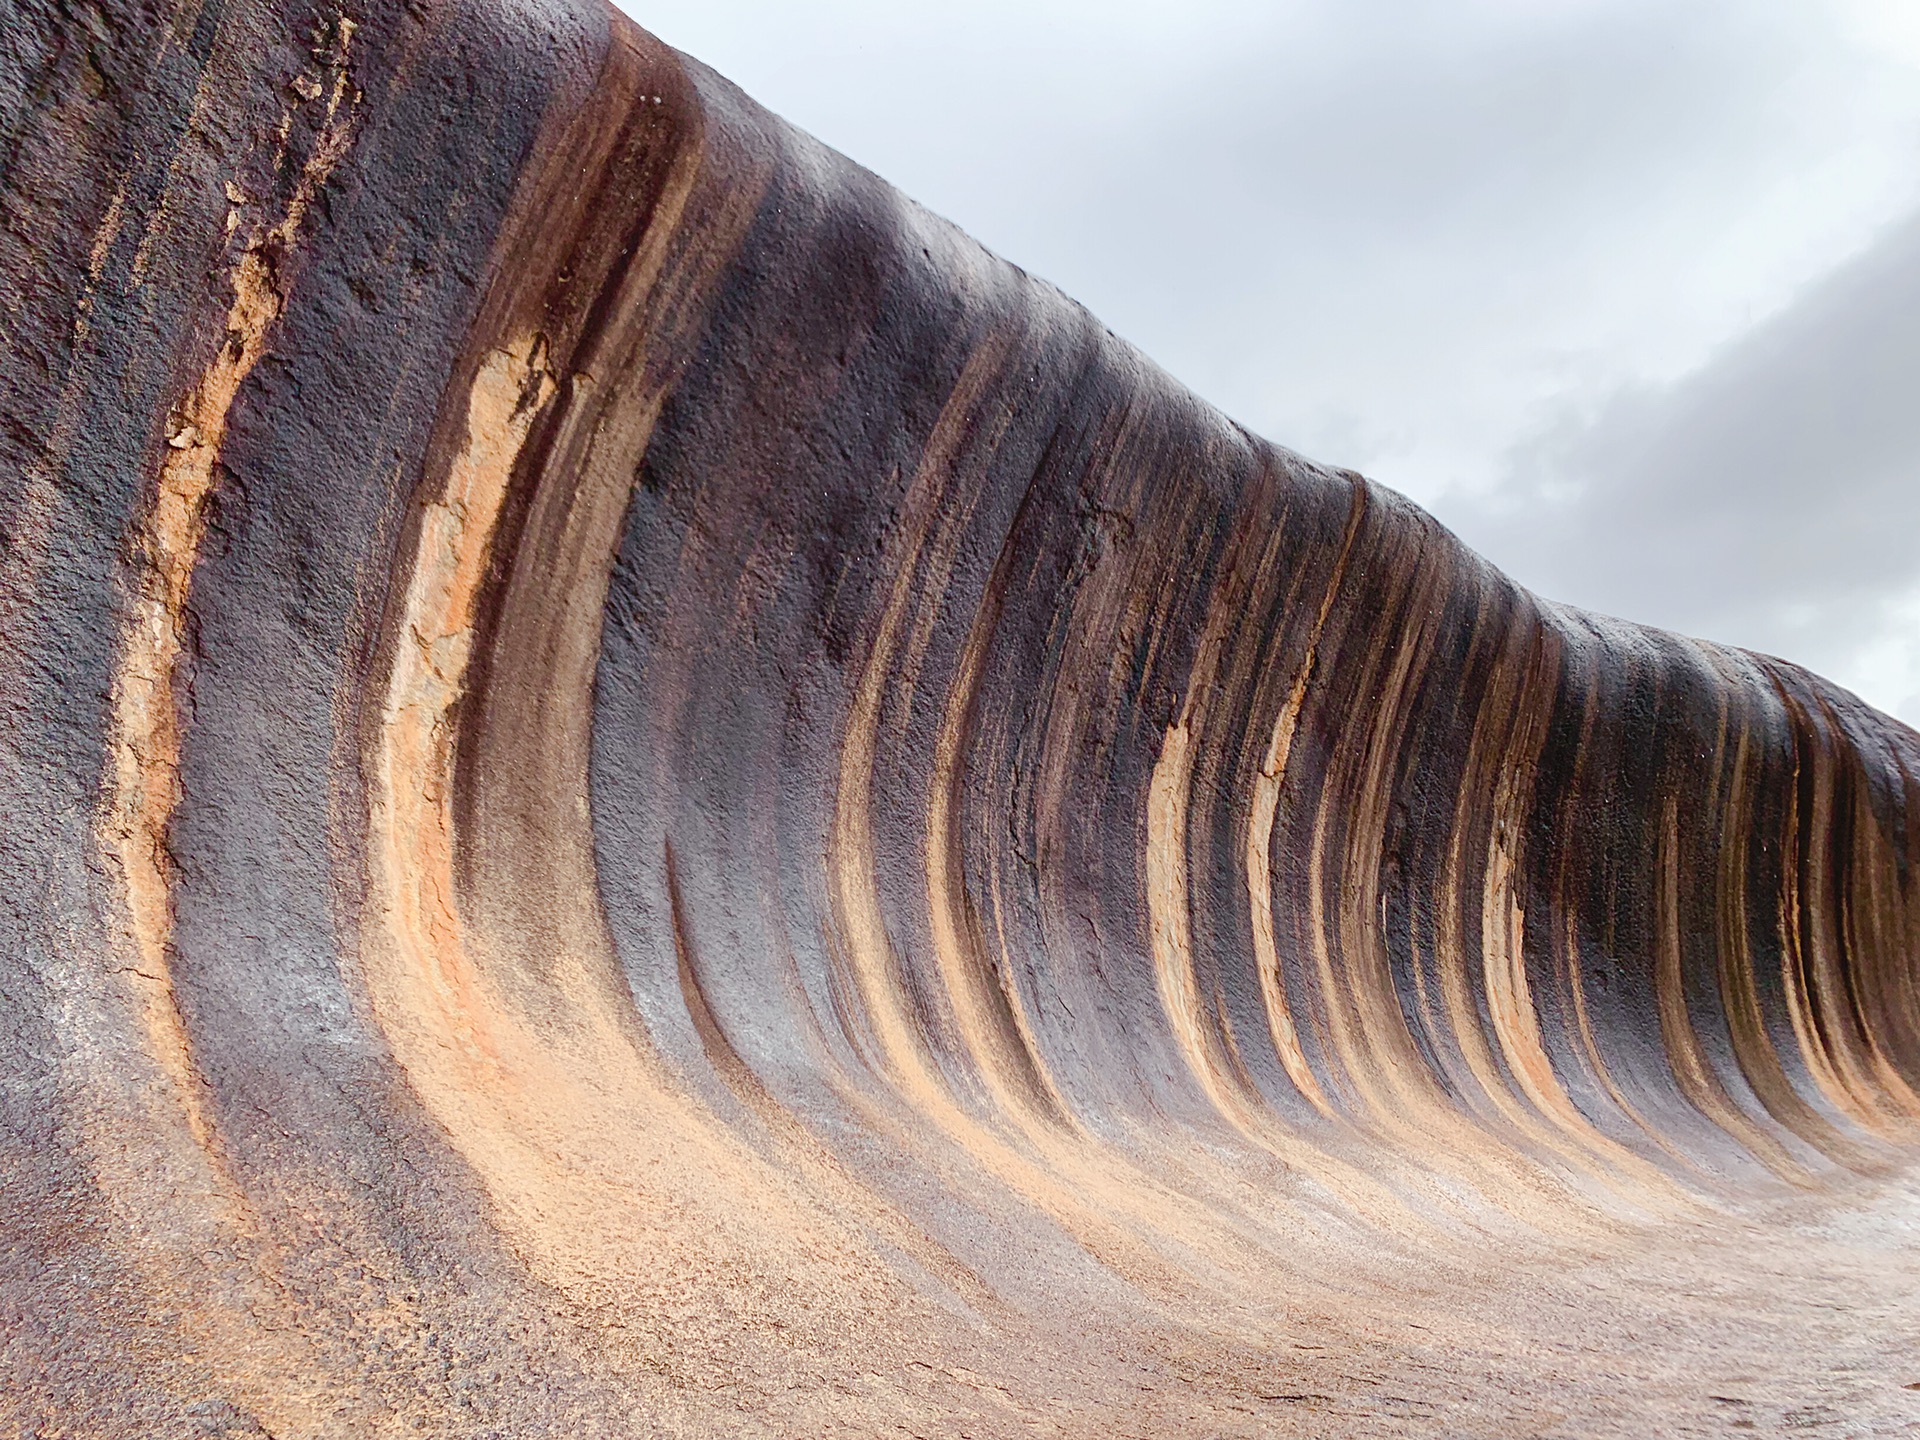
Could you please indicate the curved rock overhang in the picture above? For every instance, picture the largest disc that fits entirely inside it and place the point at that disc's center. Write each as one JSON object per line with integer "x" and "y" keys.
{"x": 644, "y": 792}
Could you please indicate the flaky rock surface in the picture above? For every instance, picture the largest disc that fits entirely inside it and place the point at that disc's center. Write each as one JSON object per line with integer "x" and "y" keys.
{"x": 642, "y": 793}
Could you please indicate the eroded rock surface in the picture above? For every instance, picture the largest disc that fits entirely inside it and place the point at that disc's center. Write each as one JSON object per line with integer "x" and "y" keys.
{"x": 645, "y": 794}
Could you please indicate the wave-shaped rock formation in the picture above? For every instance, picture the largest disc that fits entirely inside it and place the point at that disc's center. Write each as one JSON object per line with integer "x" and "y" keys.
{"x": 645, "y": 794}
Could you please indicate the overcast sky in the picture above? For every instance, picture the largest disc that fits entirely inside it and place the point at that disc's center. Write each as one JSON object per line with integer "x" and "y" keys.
{"x": 1626, "y": 291}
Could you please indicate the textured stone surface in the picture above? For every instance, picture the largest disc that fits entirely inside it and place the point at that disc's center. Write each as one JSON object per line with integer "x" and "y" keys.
{"x": 645, "y": 794}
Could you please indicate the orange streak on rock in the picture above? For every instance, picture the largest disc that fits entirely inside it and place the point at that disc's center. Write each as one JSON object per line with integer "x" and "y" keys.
{"x": 413, "y": 806}
{"x": 144, "y": 776}
{"x": 1267, "y": 787}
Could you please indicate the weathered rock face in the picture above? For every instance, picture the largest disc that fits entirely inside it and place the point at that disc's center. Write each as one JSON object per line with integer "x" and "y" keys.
{"x": 645, "y": 794}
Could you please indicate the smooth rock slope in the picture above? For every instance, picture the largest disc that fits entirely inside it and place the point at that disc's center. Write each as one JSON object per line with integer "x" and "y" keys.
{"x": 642, "y": 793}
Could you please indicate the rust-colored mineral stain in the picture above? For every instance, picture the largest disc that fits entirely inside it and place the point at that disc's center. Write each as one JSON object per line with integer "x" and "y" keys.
{"x": 144, "y": 775}
{"x": 413, "y": 791}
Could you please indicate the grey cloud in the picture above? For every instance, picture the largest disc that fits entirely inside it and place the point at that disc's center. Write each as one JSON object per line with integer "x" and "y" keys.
{"x": 1383, "y": 237}
{"x": 1772, "y": 499}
